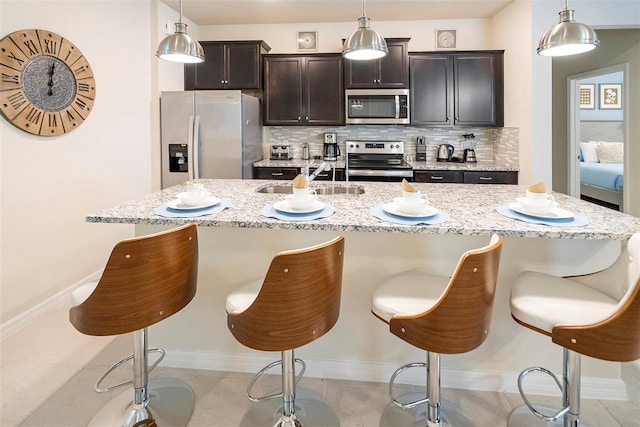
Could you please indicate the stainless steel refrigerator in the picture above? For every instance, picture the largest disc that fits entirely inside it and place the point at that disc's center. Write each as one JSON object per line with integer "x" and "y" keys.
{"x": 209, "y": 134}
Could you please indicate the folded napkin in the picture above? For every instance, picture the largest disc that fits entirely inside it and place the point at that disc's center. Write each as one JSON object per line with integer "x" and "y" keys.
{"x": 438, "y": 218}
{"x": 576, "y": 221}
{"x": 167, "y": 212}
{"x": 270, "y": 212}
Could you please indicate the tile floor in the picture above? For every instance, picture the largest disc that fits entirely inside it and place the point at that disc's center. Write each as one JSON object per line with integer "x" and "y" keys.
{"x": 48, "y": 370}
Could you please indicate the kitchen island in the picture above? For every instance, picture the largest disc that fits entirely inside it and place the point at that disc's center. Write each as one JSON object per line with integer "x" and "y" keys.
{"x": 237, "y": 244}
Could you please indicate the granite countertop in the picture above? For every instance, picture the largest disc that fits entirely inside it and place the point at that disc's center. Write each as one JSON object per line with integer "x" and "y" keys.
{"x": 472, "y": 208}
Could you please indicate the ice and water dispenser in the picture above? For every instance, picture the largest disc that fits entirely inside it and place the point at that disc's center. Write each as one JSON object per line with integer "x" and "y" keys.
{"x": 178, "y": 158}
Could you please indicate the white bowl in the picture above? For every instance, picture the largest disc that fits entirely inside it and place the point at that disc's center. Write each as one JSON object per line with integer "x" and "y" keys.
{"x": 300, "y": 202}
{"x": 412, "y": 208}
{"x": 536, "y": 208}
{"x": 188, "y": 200}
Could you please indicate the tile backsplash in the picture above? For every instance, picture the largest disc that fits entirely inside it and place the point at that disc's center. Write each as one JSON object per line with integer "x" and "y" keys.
{"x": 499, "y": 145}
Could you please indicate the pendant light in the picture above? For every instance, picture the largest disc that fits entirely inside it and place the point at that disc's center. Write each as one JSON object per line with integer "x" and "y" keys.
{"x": 179, "y": 47}
{"x": 568, "y": 37}
{"x": 364, "y": 43}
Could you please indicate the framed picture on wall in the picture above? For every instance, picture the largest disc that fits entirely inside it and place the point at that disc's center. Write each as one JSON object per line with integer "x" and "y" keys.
{"x": 307, "y": 41}
{"x": 610, "y": 96}
{"x": 587, "y": 96}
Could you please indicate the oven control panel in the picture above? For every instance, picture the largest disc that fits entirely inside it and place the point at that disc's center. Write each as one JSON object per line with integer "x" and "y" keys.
{"x": 375, "y": 147}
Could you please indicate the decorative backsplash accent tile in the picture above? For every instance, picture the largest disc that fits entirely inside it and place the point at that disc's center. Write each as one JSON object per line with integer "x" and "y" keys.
{"x": 499, "y": 145}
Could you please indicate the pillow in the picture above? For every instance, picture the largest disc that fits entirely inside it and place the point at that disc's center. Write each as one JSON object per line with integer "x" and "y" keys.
{"x": 589, "y": 153}
{"x": 610, "y": 152}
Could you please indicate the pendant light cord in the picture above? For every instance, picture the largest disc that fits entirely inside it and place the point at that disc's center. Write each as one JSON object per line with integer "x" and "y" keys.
{"x": 364, "y": 13}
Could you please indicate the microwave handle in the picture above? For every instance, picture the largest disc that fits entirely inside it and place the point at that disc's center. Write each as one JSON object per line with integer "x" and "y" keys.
{"x": 397, "y": 106}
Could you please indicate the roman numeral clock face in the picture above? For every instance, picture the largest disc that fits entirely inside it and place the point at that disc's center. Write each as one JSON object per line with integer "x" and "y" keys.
{"x": 47, "y": 86}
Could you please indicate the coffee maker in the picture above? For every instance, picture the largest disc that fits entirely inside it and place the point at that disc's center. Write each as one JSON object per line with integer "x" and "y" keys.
{"x": 330, "y": 151}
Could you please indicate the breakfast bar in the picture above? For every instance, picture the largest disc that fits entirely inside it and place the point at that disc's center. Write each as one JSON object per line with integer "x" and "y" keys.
{"x": 238, "y": 242}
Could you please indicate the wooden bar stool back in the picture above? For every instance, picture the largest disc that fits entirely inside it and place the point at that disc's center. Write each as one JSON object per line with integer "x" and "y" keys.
{"x": 440, "y": 315}
{"x": 597, "y": 315}
{"x": 146, "y": 280}
{"x": 297, "y": 302}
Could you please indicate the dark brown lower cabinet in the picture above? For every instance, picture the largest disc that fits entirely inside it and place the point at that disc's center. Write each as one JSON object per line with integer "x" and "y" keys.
{"x": 467, "y": 177}
{"x": 274, "y": 173}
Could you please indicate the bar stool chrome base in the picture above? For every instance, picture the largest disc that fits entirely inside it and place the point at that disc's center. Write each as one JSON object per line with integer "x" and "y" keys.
{"x": 393, "y": 415}
{"x": 523, "y": 417}
{"x": 311, "y": 409}
{"x": 170, "y": 403}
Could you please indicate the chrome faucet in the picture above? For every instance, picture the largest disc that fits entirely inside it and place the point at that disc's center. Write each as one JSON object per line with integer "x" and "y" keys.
{"x": 317, "y": 172}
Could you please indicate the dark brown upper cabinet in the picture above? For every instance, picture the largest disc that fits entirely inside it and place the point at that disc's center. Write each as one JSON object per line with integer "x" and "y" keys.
{"x": 391, "y": 71}
{"x": 303, "y": 90}
{"x": 457, "y": 89}
{"x": 227, "y": 65}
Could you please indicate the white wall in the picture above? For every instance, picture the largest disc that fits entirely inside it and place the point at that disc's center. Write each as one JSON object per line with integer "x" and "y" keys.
{"x": 282, "y": 38}
{"x": 48, "y": 185}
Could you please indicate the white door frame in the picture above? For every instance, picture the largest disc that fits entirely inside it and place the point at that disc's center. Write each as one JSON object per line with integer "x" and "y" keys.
{"x": 573, "y": 127}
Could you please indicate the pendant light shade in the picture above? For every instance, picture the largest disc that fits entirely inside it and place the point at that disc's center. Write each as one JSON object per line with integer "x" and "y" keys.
{"x": 179, "y": 47}
{"x": 364, "y": 43}
{"x": 567, "y": 37}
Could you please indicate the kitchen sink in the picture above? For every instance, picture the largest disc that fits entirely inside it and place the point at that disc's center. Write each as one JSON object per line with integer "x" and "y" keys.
{"x": 325, "y": 190}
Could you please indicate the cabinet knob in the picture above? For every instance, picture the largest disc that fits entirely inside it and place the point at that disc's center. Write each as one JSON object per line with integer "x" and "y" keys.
{"x": 299, "y": 118}
{"x": 307, "y": 118}
{"x": 222, "y": 81}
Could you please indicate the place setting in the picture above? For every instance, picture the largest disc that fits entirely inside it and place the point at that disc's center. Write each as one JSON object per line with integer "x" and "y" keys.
{"x": 302, "y": 205}
{"x": 411, "y": 209}
{"x": 537, "y": 206}
{"x": 195, "y": 201}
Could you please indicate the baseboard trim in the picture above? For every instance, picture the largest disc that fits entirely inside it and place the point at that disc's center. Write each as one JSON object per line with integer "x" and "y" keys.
{"x": 495, "y": 381}
{"x": 12, "y": 326}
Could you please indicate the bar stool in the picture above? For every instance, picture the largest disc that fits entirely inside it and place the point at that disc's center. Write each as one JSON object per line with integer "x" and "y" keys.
{"x": 297, "y": 303}
{"x": 597, "y": 315}
{"x": 441, "y": 315}
{"x": 146, "y": 280}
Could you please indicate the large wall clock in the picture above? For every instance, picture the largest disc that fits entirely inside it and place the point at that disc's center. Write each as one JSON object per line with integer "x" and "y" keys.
{"x": 47, "y": 86}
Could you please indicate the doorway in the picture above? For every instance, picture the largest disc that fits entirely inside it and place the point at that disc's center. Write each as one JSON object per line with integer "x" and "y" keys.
{"x": 597, "y": 129}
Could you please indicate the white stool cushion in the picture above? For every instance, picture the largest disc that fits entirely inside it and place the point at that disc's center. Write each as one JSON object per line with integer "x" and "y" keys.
{"x": 81, "y": 293}
{"x": 407, "y": 294}
{"x": 240, "y": 299}
{"x": 544, "y": 301}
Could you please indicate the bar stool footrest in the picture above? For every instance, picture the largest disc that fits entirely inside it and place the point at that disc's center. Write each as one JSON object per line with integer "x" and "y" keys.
{"x": 396, "y": 373}
{"x": 120, "y": 363}
{"x": 263, "y": 371}
{"x": 546, "y": 418}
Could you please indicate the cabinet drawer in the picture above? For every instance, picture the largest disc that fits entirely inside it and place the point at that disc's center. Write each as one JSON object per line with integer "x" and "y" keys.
{"x": 438, "y": 176}
{"x": 491, "y": 177}
{"x": 275, "y": 173}
{"x": 327, "y": 175}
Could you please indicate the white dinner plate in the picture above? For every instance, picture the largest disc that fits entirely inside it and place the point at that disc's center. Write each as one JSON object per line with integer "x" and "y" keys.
{"x": 177, "y": 204}
{"x": 394, "y": 209}
{"x": 284, "y": 206}
{"x": 555, "y": 213}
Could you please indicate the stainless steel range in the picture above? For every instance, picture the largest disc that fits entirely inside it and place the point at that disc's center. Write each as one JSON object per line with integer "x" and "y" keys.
{"x": 377, "y": 161}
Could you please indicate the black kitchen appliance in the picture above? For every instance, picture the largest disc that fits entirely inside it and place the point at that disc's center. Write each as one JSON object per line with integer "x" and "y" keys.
{"x": 331, "y": 150}
{"x": 469, "y": 148}
{"x": 377, "y": 161}
{"x": 421, "y": 149}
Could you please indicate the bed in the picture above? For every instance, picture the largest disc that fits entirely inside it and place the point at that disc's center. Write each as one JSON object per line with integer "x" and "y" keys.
{"x": 602, "y": 172}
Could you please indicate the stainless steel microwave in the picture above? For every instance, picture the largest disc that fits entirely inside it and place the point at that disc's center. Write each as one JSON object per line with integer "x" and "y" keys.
{"x": 377, "y": 106}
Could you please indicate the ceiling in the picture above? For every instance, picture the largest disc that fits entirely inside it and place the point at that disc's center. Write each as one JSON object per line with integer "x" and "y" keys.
{"x": 216, "y": 12}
